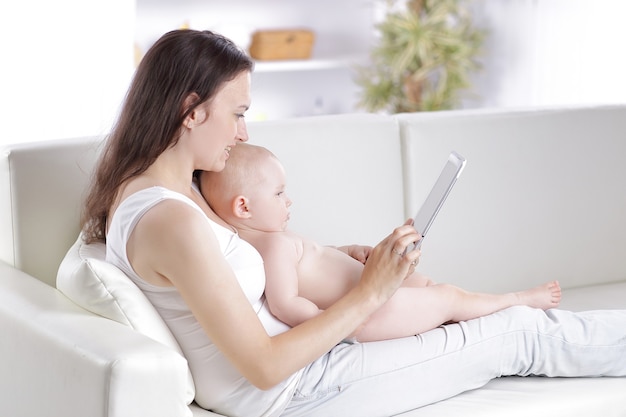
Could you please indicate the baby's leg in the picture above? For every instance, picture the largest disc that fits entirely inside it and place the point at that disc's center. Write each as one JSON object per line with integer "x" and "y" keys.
{"x": 544, "y": 296}
{"x": 417, "y": 280}
{"x": 468, "y": 305}
{"x": 415, "y": 310}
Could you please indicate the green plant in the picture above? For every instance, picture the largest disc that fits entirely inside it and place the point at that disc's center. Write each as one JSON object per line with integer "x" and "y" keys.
{"x": 423, "y": 58}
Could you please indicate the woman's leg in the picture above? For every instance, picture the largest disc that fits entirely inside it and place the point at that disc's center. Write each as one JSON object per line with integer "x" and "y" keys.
{"x": 414, "y": 310}
{"x": 393, "y": 376}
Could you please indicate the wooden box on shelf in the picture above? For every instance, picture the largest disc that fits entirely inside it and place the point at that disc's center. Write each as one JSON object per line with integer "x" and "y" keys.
{"x": 269, "y": 45}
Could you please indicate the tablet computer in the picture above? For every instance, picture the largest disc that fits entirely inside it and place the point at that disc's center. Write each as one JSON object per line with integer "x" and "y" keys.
{"x": 433, "y": 203}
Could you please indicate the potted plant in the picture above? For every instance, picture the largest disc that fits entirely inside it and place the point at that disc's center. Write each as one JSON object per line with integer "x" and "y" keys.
{"x": 422, "y": 58}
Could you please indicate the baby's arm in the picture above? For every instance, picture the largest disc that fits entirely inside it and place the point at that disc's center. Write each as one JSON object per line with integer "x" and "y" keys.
{"x": 280, "y": 255}
{"x": 358, "y": 252}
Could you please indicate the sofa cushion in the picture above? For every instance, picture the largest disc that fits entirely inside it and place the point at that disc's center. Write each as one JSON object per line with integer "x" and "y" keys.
{"x": 100, "y": 287}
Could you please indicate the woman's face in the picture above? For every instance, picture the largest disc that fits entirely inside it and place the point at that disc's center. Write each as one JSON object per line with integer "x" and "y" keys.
{"x": 224, "y": 125}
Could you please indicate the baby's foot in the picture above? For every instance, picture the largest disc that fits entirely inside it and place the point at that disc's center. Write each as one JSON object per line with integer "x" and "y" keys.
{"x": 544, "y": 296}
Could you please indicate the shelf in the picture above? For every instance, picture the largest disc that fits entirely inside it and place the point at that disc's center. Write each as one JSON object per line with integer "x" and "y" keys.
{"x": 314, "y": 64}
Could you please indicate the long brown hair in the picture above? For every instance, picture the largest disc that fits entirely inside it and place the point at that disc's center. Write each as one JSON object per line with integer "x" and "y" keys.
{"x": 180, "y": 63}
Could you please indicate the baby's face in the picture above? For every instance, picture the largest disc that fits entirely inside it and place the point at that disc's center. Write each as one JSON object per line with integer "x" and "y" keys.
{"x": 269, "y": 203}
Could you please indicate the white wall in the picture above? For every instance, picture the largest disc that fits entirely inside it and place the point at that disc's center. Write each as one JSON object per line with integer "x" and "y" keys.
{"x": 66, "y": 65}
{"x": 343, "y": 30}
{"x": 551, "y": 52}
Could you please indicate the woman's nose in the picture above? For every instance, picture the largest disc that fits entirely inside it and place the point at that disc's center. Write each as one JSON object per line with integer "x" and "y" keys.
{"x": 242, "y": 131}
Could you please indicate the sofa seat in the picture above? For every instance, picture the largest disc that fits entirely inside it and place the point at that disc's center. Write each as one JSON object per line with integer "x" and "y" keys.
{"x": 535, "y": 397}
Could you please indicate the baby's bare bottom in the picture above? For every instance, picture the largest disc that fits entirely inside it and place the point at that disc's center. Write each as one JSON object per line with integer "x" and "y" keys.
{"x": 420, "y": 305}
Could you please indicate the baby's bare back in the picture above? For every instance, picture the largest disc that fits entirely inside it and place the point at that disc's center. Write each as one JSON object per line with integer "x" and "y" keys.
{"x": 325, "y": 274}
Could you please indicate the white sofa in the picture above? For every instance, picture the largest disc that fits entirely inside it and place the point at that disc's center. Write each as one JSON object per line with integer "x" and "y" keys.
{"x": 543, "y": 197}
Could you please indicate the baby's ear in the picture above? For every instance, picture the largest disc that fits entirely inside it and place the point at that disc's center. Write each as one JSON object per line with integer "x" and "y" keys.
{"x": 240, "y": 207}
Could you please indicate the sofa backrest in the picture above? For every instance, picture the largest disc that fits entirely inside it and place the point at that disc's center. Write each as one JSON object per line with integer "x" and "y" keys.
{"x": 543, "y": 195}
{"x": 331, "y": 175}
{"x": 41, "y": 189}
{"x": 344, "y": 174}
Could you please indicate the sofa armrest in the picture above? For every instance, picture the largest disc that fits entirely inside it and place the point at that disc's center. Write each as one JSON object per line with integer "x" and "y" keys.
{"x": 58, "y": 359}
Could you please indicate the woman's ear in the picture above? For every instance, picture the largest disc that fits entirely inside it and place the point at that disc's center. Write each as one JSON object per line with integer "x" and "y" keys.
{"x": 241, "y": 207}
{"x": 197, "y": 115}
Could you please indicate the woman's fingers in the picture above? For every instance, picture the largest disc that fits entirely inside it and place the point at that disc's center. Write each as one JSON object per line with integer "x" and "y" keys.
{"x": 405, "y": 238}
{"x": 390, "y": 262}
{"x": 406, "y": 250}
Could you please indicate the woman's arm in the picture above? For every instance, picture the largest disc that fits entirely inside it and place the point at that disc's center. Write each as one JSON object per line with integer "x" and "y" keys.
{"x": 174, "y": 242}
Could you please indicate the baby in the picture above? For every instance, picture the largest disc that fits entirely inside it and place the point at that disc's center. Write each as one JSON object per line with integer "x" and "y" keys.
{"x": 303, "y": 278}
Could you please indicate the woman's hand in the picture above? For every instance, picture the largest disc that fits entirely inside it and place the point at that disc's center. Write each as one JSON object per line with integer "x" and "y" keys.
{"x": 389, "y": 263}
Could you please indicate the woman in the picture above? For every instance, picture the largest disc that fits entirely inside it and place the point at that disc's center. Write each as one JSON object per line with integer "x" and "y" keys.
{"x": 184, "y": 112}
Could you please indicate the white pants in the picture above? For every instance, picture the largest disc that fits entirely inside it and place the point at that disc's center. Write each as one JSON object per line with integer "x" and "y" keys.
{"x": 390, "y": 377}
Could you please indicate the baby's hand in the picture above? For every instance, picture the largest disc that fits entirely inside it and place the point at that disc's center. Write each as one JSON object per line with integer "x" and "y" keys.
{"x": 358, "y": 252}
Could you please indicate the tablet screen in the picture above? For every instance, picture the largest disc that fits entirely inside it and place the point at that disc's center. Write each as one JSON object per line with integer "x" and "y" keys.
{"x": 433, "y": 203}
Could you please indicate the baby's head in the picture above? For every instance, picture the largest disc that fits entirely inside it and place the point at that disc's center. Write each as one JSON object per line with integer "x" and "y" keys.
{"x": 250, "y": 190}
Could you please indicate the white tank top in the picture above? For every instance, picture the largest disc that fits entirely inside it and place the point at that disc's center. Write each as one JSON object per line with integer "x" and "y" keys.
{"x": 219, "y": 386}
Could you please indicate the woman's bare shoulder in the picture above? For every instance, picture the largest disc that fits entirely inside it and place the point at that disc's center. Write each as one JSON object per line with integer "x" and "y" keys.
{"x": 169, "y": 240}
